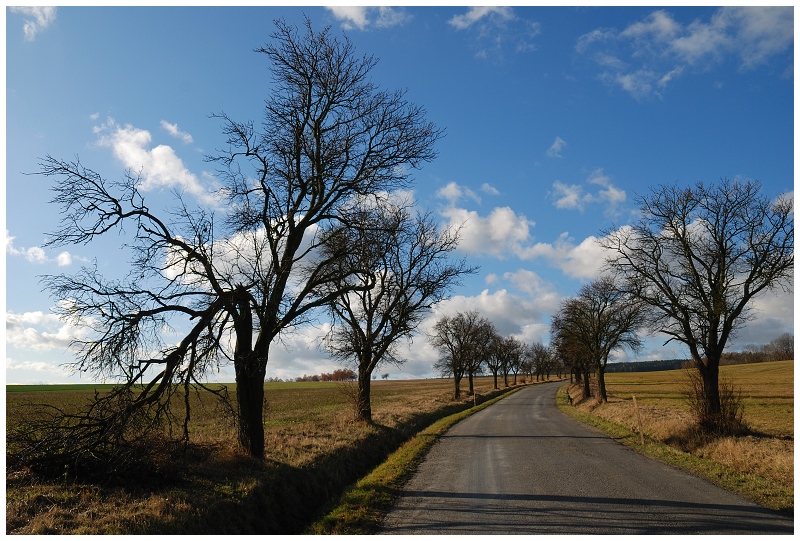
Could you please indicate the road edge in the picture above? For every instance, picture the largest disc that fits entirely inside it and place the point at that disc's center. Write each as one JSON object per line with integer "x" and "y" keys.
{"x": 362, "y": 507}
{"x": 740, "y": 483}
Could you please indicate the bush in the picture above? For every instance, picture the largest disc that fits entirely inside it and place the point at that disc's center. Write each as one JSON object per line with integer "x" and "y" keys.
{"x": 730, "y": 419}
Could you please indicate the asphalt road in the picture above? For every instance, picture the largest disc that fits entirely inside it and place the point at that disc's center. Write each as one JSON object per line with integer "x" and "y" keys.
{"x": 521, "y": 466}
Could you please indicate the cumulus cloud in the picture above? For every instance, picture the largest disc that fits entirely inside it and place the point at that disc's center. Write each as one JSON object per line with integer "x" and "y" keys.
{"x": 503, "y": 232}
{"x": 38, "y": 331}
{"x": 37, "y": 255}
{"x": 555, "y": 149}
{"x": 362, "y": 18}
{"x": 583, "y": 261}
{"x": 573, "y": 196}
{"x": 452, "y": 192}
{"x": 38, "y": 19}
{"x": 488, "y": 188}
{"x": 659, "y": 49}
{"x": 173, "y": 130}
{"x": 772, "y": 314}
{"x": 159, "y": 166}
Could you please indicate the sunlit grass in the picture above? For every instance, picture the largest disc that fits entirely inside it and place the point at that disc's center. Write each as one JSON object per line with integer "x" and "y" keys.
{"x": 314, "y": 448}
{"x": 759, "y": 465}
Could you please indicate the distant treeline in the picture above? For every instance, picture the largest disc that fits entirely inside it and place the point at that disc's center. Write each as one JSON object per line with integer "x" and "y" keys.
{"x": 779, "y": 349}
{"x": 645, "y": 366}
{"x": 344, "y": 374}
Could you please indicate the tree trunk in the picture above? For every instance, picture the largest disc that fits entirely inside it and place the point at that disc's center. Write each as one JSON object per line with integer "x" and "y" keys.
{"x": 710, "y": 375}
{"x": 495, "y": 379}
{"x": 601, "y": 383}
{"x": 250, "y": 399}
{"x": 363, "y": 403}
{"x": 251, "y": 367}
{"x": 471, "y": 389}
{"x": 587, "y": 390}
{"x": 457, "y": 393}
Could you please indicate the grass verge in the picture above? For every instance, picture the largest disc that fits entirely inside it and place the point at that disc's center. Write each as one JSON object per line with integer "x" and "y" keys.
{"x": 762, "y": 490}
{"x": 362, "y": 507}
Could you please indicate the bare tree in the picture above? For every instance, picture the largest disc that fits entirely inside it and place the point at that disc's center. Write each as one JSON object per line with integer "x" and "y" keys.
{"x": 503, "y": 354}
{"x": 459, "y": 339}
{"x": 781, "y": 348}
{"x": 540, "y": 358}
{"x": 571, "y": 352}
{"x": 602, "y": 318}
{"x": 396, "y": 266}
{"x": 328, "y": 135}
{"x": 698, "y": 257}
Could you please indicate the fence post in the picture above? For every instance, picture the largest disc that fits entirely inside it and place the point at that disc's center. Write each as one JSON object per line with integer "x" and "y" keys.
{"x": 639, "y": 418}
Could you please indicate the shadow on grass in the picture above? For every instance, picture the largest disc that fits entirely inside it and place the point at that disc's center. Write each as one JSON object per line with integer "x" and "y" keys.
{"x": 211, "y": 490}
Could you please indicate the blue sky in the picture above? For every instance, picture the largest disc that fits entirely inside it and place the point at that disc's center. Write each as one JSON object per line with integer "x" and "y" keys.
{"x": 555, "y": 119}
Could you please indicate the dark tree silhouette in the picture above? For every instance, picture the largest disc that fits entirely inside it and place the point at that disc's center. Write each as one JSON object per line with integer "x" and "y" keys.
{"x": 396, "y": 267}
{"x": 461, "y": 341}
{"x": 602, "y": 318}
{"x": 328, "y": 135}
{"x": 699, "y": 256}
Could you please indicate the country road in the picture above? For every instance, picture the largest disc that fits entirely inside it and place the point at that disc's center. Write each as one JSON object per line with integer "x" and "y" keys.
{"x": 521, "y": 466}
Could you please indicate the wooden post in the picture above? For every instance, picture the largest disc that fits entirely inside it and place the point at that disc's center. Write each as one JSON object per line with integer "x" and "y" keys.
{"x": 639, "y": 418}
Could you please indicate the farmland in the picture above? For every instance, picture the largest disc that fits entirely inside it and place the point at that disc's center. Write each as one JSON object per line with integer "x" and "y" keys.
{"x": 759, "y": 465}
{"x": 314, "y": 449}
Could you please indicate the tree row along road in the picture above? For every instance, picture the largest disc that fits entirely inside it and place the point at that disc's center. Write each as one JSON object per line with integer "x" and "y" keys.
{"x": 522, "y": 466}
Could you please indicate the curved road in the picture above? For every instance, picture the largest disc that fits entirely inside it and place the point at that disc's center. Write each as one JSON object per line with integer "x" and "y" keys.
{"x": 523, "y": 467}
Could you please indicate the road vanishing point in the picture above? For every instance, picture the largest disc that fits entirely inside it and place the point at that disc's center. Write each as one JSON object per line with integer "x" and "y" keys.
{"x": 521, "y": 466}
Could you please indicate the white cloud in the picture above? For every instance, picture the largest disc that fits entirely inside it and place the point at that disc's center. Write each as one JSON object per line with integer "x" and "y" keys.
{"x": 36, "y": 254}
{"x": 501, "y": 233}
{"x": 658, "y": 26}
{"x": 572, "y": 196}
{"x": 661, "y": 48}
{"x": 19, "y": 372}
{"x": 453, "y": 193}
{"x": 497, "y": 29}
{"x": 488, "y": 188}
{"x": 511, "y": 313}
{"x": 475, "y": 14}
{"x": 159, "y": 166}
{"x": 568, "y": 196}
{"x": 555, "y": 149}
{"x": 595, "y": 36}
{"x": 173, "y": 130}
{"x": 583, "y": 261}
{"x": 40, "y": 18}
{"x": 772, "y": 314}
{"x": 38, "y": 331}
{"x": 362, "y": 17}
{"x": 761, "y": 32}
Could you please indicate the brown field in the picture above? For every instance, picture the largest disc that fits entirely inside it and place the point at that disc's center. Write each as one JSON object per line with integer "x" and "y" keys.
{"x": 314, "y": 449}
{"x": 767, "y": 392}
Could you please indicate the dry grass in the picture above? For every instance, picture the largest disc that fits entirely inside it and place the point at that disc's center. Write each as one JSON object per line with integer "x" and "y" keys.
{"x": 314, "y": 448}
{"x": 767, "y": 390}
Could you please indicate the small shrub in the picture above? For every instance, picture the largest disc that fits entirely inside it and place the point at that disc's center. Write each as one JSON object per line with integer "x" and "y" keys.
{"x": 730, "y": 419}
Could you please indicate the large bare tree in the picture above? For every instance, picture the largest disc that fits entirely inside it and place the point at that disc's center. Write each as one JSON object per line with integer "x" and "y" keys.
{"x": 396, "y": 266}
{"x": 698, "y": 256}
{"x": 229, "y": 282}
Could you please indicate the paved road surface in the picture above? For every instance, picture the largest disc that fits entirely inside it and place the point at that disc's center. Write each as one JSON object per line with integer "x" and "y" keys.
{"x": 522, "y": 466}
